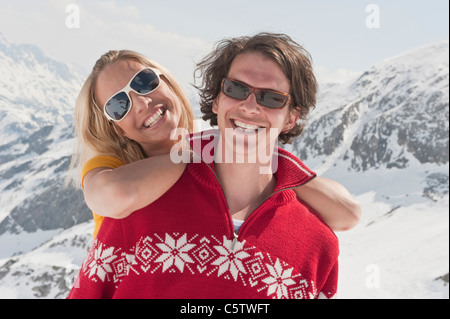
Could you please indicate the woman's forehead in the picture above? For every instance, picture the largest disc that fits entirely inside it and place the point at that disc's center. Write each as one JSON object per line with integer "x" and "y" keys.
{"x": 114, "y": 77}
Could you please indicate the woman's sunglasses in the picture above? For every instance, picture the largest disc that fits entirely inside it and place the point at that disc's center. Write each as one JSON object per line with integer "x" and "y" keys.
{"x": 240, "y": 91}
{"x": 144, "y": 82}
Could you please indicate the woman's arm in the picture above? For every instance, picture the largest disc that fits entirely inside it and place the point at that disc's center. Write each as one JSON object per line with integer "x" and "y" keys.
{"x": 118, "y": 192}
{"x": 332, "y": 201}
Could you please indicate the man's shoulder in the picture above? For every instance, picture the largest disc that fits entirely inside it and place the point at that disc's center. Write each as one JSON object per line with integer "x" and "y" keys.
{"x": 308, "y": 223}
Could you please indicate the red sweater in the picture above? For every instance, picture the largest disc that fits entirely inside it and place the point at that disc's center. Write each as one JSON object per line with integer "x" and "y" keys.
{"x": 184, "y": 246}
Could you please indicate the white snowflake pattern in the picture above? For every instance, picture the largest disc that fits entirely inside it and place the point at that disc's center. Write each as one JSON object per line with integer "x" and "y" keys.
{"x": 279, "y": 280}
{"x": 175, "y": 252}
{"x": 100, "y": 264}
{"x": 232, "y": 254}
{"x": 202, "y": 256}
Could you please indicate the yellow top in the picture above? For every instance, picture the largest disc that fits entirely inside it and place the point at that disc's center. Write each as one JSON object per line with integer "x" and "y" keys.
{"x": 93, "y": 163}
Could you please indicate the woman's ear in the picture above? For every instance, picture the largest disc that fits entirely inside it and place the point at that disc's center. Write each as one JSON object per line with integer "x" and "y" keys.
{"x": 291, "y": 120}
{"x": 118, "y": 129}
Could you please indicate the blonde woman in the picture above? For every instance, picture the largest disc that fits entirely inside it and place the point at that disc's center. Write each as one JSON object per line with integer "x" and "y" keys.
{"x": 121, "y": 170}
{"x": 125, "y": 113}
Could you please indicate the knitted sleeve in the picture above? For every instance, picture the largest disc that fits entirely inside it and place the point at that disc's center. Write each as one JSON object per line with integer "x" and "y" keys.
{"x": 329, "y": 289}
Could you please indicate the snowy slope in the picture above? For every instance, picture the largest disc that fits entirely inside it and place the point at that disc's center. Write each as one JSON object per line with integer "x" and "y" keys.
{"x": 396, "y": 252}
{"x": 48, "y": 271}
{"x": 383, "y": 135}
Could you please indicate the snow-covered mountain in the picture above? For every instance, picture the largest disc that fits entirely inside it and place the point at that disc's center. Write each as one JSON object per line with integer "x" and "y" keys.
{"x": 383, "y": 135}
{"x": 392, "y": 115}
{"x": 37, "y": 97}
{"x": 35, "y": 90}
{"x": 393, "y": 118}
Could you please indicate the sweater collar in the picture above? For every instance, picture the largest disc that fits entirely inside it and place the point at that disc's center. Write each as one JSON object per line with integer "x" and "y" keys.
{"x": 290, "y": 172}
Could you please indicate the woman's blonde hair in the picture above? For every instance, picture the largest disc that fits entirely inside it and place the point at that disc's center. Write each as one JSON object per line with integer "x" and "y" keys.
{"x": 96, "y": 135}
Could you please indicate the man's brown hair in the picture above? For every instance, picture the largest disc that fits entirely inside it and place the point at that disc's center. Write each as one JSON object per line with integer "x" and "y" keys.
{"x": 293, "y": 59}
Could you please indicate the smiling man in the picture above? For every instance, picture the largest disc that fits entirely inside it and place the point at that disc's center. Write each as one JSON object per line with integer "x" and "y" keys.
{"x": 256, "y": 89}
{"x": 244, "y": 121}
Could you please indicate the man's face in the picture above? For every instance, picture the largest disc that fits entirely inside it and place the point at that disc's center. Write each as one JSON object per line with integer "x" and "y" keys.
{"x": 247, "y": 120}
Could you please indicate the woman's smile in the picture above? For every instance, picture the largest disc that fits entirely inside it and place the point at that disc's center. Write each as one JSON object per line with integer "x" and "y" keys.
{"x": 155, "y": 118}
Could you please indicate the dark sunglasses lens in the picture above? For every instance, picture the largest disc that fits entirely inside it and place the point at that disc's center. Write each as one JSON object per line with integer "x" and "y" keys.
{"x": 145, "y": 81}
{"x": 118, "y": 106}
{"x": 271, "y": 100}
{"x": 235, "y": 90}
{"x": 265, "y": 98}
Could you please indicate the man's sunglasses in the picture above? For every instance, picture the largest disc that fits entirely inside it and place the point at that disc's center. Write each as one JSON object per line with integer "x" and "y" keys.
{"x": 144, "y": 82}
{"x": 240, "y": 91}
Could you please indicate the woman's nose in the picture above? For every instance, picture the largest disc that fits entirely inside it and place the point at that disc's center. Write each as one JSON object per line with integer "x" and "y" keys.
{"x": 140, "y": 102}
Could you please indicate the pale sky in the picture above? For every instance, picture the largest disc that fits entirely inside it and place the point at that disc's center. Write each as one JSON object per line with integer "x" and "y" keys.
{"x": 343, "y": 36}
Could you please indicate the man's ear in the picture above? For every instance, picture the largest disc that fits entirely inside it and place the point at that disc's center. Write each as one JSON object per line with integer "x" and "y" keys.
{"x": 291, "y": 120}
{"x": 215, "y": 106}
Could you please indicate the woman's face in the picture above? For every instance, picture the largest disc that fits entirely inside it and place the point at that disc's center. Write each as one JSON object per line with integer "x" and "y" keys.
{"x": 151, "y": 118}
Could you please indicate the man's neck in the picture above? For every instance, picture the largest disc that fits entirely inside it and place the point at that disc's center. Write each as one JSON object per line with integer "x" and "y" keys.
{"x": 244, "y": 186}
